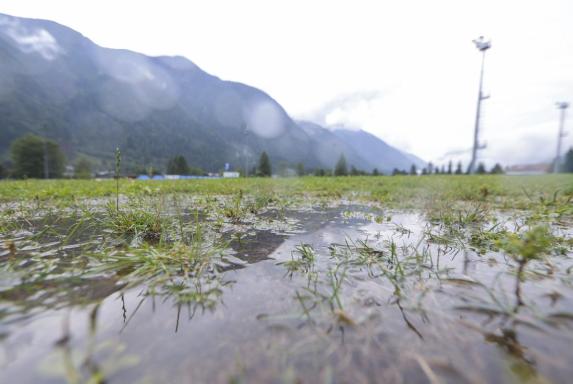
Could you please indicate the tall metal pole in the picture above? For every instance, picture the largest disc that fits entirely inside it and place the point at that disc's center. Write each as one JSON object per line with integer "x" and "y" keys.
{"x": 483, "y": 45}
{"x": 562, "y": 106}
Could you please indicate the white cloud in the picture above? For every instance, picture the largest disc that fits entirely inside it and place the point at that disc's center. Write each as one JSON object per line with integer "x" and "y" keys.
{"x": 349, "y": 110}
{"x": 36, "y": 40}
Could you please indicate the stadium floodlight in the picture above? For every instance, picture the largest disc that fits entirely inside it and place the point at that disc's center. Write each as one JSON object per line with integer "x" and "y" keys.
{"x": 483, "y": 45}
{"x": 562, "y": 106}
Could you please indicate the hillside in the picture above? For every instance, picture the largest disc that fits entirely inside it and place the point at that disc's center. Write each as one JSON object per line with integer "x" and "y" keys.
{"x": 377, "y": 152}
{"x": 57, "y": 83}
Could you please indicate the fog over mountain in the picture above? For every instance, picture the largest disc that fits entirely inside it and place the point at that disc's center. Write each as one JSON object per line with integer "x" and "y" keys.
{"x": 57, "y": 83}
{"x": 362, "y": 149}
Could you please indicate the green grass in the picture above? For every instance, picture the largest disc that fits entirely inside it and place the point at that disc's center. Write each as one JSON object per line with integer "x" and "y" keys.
{"x": 136, "y": 222}
{"x": 168, "y": 219}
{"x": 405, "y": 191}
{"x": 173, "y": 240}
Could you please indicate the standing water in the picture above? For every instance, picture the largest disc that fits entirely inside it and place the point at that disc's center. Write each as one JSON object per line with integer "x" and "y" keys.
{"x": 316, "y": 293}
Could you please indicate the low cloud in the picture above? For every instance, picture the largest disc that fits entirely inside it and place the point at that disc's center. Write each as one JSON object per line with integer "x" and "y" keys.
{"x": 347, "y": 110}
{"x": 31, "y": 40}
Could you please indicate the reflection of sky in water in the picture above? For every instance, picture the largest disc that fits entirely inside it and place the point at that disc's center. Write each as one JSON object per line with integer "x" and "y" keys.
{"x": 258, "y": 321}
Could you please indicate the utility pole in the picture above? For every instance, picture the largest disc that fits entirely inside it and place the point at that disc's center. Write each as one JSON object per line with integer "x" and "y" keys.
{"x": 483, "y": 45}
{"x": 562, "y": 106}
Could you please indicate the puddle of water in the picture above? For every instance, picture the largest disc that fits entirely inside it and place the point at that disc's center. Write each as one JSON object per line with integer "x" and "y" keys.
{"x": 367, "y": 299}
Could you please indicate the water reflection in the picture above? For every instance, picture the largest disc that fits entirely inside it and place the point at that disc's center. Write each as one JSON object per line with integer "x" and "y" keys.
{"x": 343, "y": 299}
{"x": 85, "y": 358}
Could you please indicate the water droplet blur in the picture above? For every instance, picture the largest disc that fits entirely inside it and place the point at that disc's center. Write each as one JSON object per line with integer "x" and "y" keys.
{"x": 266, "y": 120}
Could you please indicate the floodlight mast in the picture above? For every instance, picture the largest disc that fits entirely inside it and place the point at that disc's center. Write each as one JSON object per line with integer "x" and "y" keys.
{"x": 483, "y": 45}
{"x": 562, "y": 106}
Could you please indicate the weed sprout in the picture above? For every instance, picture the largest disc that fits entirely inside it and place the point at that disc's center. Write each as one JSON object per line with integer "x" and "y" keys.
{"x": 533, "y": 244}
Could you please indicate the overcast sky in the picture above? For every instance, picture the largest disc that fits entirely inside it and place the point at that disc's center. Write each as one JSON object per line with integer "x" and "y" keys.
{"x": 406, "y": 71}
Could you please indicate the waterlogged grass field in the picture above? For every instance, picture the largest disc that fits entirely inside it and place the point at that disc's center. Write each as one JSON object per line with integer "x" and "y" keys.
{"x": 400, "y": 279}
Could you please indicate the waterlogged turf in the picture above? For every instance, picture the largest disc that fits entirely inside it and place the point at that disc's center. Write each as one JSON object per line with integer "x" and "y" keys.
{"x": 374, "y": 279}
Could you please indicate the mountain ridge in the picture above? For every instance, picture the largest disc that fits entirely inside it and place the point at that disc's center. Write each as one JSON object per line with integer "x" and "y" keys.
{"x": 352, "y": 143}
{"x": 56, "y": 82}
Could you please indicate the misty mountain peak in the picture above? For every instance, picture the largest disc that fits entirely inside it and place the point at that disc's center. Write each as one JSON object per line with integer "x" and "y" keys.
{"x": 93, "y": 99}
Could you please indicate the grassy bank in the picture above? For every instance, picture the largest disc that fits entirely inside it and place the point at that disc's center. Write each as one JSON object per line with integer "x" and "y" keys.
{"x": 505, "y": 191}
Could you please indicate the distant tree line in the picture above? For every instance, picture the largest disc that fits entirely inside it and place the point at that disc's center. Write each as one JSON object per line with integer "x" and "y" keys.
{"x": 36, "y": 157}
{"x": 432, "y": 169}
{"x": 341, "y": 169}
{"x": 177, "y": 165}
{"x": 33, "y": 156}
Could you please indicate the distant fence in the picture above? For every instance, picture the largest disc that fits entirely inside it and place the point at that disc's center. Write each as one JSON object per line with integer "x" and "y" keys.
{"x": 174, "y": 177}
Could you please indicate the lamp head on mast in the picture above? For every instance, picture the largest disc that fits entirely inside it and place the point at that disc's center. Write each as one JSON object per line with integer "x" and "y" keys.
{"x": 482, "y": 43}
{"x": 562, "y": 105}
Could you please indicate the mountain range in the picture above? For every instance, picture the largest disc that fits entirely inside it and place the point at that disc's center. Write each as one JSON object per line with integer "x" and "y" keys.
{"x": 56, "y": 83}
